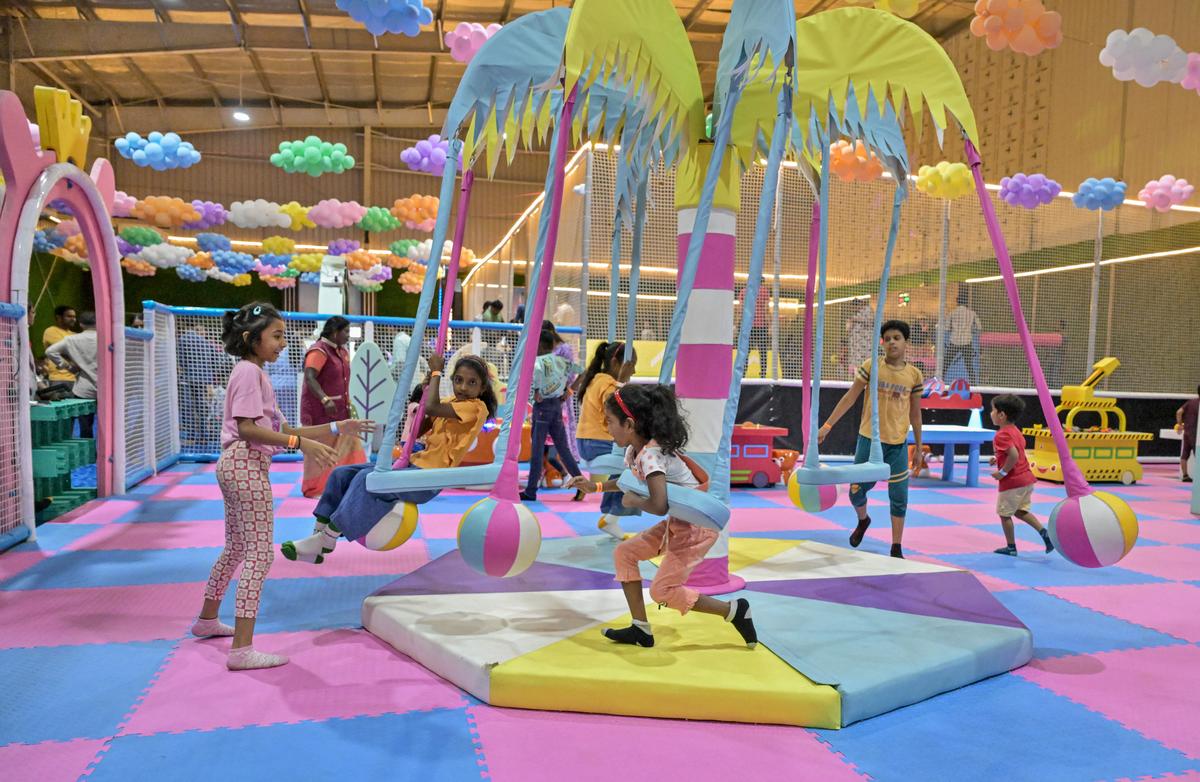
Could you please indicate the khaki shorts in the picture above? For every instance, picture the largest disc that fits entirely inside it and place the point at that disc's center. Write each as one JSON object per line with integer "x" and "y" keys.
{"x": 1013, "y": 501}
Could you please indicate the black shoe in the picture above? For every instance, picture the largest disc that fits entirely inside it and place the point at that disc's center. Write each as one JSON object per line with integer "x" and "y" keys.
{"x": 527, "y": 497}
{"x": 896, "y": 552}
{"x": 1046, "y": 539}
{"x": 1187, "y": 479}
{"x": 857, "y": 535}
{"x": 1008, "y": 551}
{"x": 629, "y": 635}
{"x": 743, "y": 623}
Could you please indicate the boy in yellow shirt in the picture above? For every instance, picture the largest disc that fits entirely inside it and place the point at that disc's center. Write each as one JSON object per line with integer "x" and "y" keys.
{"x": 900, "y": 386}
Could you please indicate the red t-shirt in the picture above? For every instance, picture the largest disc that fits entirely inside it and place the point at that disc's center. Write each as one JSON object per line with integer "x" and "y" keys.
{"x": 1019, "y": 474}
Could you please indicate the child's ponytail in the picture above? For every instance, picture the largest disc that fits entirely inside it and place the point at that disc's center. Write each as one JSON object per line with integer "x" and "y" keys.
{"x": 600, "y": 362}
{"x": 655, "y": 413}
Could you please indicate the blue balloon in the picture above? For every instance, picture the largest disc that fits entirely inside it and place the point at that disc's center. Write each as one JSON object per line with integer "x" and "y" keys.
{"x": 154, "y": 137}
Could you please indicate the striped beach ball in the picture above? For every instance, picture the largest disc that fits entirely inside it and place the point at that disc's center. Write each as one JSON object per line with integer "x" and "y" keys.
{"x": 499, "y": 538}
{"x": 394, "y": 529}
{"x": 813, "y": 499}
{"x": 1094, "y": 530}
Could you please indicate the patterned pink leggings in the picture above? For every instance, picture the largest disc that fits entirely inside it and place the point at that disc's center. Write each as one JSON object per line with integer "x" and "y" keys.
{"x": 244, "y": 476}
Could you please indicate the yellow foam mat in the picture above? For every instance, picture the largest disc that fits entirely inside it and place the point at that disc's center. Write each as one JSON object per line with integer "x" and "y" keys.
{"x": 751, "y": 551}
{"x": 698, "y": 669}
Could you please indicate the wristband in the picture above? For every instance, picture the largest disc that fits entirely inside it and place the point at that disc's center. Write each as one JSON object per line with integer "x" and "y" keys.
{"x": 1003, "y": 473}
{"x": 325, "y": 400}
{"x": 434, "y": 373}
{"x": 600, "y": 486}
{"x": 333, "y": 427}
{"x": 293, "y": 441}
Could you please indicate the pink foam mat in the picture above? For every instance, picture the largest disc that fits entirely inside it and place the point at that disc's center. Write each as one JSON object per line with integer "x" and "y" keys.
{"x": 975, "y": 514}
{"x": 14, "y": 562}
{"x": 50, "y": 761}
{"x": 211, "y": 491}
{"x": 1161, "y": 509}
{"x": 595, "y": 747}
{"x": 332, "y": 673}
{"x": 49, "y": 617}
{"x": 295, "y": 507}
{"x": 99, "y": 511}
{"x": 942, "y": 540}
{"x": 992, "y": 583}
{"x": 1153, "y": 691}
{"x": 1164, "y": 531}
{"x": 778, "y": 519}
{"x": 351, "y": 559}
{"x": 1174, "y": 562}
{"x": 1169, "y": 608}
{"x": 153, "y": 535}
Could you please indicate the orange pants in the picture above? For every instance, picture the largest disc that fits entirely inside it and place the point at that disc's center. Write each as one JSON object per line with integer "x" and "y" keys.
{"x": 683, "y": 547}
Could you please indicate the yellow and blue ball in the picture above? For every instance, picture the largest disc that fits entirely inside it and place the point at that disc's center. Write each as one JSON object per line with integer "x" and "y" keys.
{"x": 1095, "y": 530}
{"x": 499, "y": 538}
{"x": 813, "y": 499}
{"x": 393, "y": 529}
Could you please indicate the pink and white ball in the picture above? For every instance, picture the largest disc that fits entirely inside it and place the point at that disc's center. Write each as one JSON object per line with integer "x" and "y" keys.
{"x": 499, "y": 538}
{"x": 1095, "y": 530}
{"x": 813, "y": 499}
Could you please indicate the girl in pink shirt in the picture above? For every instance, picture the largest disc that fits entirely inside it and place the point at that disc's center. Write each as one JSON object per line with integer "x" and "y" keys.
{"x": 253, "y": 430}
{"x": 645, "y": 421}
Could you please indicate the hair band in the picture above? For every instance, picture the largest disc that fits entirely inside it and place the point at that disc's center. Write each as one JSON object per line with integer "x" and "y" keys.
{"x": 623, "y": 406}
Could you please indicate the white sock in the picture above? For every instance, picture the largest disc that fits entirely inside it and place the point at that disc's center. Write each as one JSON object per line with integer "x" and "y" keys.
{"x": 610, "y": 524}
{"x": 245, "y": 658}
{"x": 210, "y": 628}
{"x": 643, "y": 626}
{"x": 314, "y": 546}
{"x": 733, "y": 604}
{"x": 320, "y": 525}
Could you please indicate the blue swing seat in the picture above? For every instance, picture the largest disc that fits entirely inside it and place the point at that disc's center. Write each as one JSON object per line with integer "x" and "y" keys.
{"x": 394, "y": 481}
{"x": 691, "y": 505}
{"x": 824, "y": 475}
{"x": 606, "y": 464}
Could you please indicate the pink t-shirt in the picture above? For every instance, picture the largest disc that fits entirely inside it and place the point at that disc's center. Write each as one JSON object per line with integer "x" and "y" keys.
{"x": 249, "y": 395}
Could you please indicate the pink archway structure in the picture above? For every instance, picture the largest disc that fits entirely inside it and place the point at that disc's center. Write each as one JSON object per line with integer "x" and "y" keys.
{"x": 33, "y": 177}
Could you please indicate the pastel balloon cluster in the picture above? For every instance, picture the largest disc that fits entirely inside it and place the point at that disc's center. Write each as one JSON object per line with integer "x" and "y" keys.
{"x": 298, "y": 215}
{"x": 1025, "y": 26}
{"x": 359, "y": 260}
{"x": 258, "y": 213}
{"x": 854, "y": 162}
{"x": 468, "y": 37}
{"x": 1028, "y": 191}
{"x": 1144, "y": 57}
{"x": 312, "y": 156}
{"x": 901, "y": 8}
{"x": 233, "y": 263}
{"x": 159, "y": 151}
{"x": 123, "y": 204}
{"x": 60, "y": 205}
{"x": 278, "y": 282}
{"x": 125, "y": 248}
{"x": 201, "y": 261}
{"x": 419, "y": 212}
{"x": 428, "y": 155}
{"x": 342, "y": 246}
{"x": 69, "y": 228}
{"x": 945, "y": 180}
{"x": 411, "y": 280}
{"x": 212, "y": 214}
{"x": 140, "y": 235}
{"x": 269, "y": 263}
{"x": 138, "y": 268}
{"x": 191, "y": 273}
{"x": 164, "y": 256}
{"x": 46, "y": 240}
{"x": 236, "y": 280}
{"x": 278, "y": 245}
{"x": 307, "y": 263}
{"x": 211, "y": 243}
{"x": 332, "y": 213}
{"x": 388, "y": 16}
{"x": 401, "y": 247}
{"x": 1191, "y": 74}
{"x": 76, "y": 245}
{"x": 395, "y": 261}
{"x": 1166, "y": 191}
{"x": 165, "y": 211}
{"x": 310, "y": 278}
{"x": 1093, "y": 194}
{"x": 377, "y": 220}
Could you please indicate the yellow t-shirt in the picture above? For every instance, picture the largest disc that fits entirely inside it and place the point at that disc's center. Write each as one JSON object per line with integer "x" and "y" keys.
{"x": 896, "y": 387}
{"x": 51, "y": 335}
{"x": 591, "y": 409}
{"x": 448, "y": 441}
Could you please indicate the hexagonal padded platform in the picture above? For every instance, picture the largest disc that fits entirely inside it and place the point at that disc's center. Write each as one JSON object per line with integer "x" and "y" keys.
{"x": 844, "y": 635}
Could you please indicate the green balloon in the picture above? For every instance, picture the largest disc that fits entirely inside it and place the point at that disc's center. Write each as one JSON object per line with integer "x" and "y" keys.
{"x": 339, "y": 147}
{"x": 312, "y": 140}
{"x": 349, "y": 161}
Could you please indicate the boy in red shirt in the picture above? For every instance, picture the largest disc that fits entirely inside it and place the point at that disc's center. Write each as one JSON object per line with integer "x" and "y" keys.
{"x": 1012, "y": 470}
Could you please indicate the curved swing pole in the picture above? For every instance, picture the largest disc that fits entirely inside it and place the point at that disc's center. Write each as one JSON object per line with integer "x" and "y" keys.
{"x": 635, "y": 262}
{"x": 1076, "y": 485}
{"x": 719, "y": 483}
{"x": 810, "y": 284}
{"x": 880, "y": 302}
{"x": 505, "y": 487}
{"x": 687, "y": 276}
{"x": 614, "y": 271}
{"x": 460, "y": 228}
{"x": 383, "y": 462}
{"x": 812, "y": 455}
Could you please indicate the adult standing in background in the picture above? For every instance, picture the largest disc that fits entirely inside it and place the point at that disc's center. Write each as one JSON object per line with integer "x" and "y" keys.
{"x": 962, "y": 341}
{"x": 79, "y": 350}
{"x": 64, "y": 326}
{"x": 861, "y": 338}
{"x": 325, "y": 399}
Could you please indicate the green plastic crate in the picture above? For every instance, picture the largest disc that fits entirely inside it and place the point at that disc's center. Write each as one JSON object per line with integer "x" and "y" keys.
{"x": 64, "y": 503}
{"x": 86, "y": 448}
{"x": 50, "y": 462}
{"x": 51, "y": 487}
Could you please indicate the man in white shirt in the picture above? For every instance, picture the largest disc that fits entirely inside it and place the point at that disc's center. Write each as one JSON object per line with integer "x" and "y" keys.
{"x": 78, "y": 352}
{"x": 964, "y": 328}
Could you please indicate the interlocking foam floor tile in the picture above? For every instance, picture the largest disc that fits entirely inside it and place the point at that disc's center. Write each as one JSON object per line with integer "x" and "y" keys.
{"x": 52, "y": 761}
{"x": 1174, "y": 562}
{"x": 938, "y": 541}
{"x": 1063, "y": 628}
{"x": 100, "y": 511}
{"x": 598, "y": 748}
{"x": 368, "y": 677}
{"x": 71, "y": 692}
{"x": 1173, "y": 510}
{"x": 75, "y": 569}
{"x": 1153, "y": 691}
{"x": 14, "y": 562}
{"x": 152, "y": 535}
{"x": 293, "y": 604}
{"x": 780, "y": 519}
{"x": 431, "y": 746}
{"x": 296, "y": 507}
{"x": 1046, "y": 737}
{"x": 1177, "y": 532}
{"x": 59, "y": 617}
{"x": 351, "y": 559}
{"x": 1165, "y": 607}
{"x": 174, "y": 510}
{"x": 1038, "y": 570}
{"x": 54, "y": 536}
{"x": 210, "y": 492}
